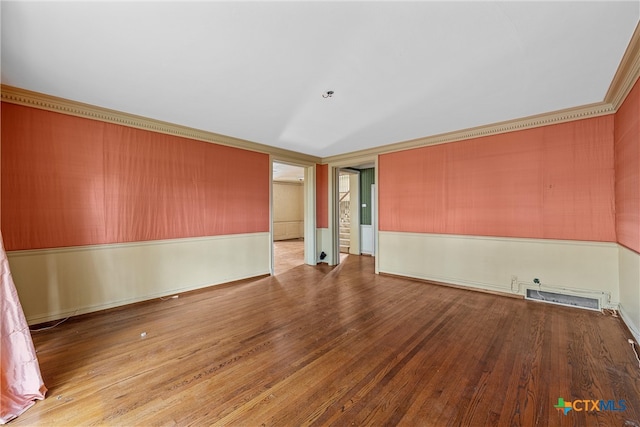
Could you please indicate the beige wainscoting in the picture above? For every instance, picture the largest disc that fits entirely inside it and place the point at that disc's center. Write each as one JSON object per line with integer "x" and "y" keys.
{"x": 288, "y": 210}
{"x": 629, "y": 291}
{"x": 55, "y": 283}
{"x": 506, "y": 265}
{"x": 324, "y": 243}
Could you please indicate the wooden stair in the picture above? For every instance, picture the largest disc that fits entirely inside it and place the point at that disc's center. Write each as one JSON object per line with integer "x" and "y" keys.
{"x": 345, "y": 237}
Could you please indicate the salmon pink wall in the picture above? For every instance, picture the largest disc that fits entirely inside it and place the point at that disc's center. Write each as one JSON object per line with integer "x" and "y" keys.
{"x": 627, "y": 165}
{"x": 322, "y": 196}
{"x": 70, "y": 181}
{"x": 553, "y": 182}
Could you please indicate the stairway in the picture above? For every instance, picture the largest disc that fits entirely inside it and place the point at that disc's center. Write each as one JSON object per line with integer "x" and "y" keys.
{"x": 345, "y": 237}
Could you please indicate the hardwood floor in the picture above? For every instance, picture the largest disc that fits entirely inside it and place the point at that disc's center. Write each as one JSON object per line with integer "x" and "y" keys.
{"x": 336, "y": 346}
{"x": 288, "y": 254}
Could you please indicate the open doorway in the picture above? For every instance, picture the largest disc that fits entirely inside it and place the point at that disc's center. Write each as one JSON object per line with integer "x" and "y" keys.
{"x": 288, "y": 217}
{"x": 348, "y": 211}
{"x": 354, "y": 210}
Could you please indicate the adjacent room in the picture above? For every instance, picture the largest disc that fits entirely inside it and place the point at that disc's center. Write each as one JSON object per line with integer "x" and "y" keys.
{"x": 417, "y": 213}
{"x": 288, "y": 216}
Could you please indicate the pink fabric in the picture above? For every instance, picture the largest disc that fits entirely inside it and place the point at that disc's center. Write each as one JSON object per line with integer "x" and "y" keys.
{"x": 627, "y": 154}
{"x": 552, "y": 182}
{"x": 20, "y": 379}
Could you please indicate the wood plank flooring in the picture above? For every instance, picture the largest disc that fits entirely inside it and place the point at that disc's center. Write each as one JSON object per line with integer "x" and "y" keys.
{"x": 335, "y": 346}
{"x": 288, "y": 254}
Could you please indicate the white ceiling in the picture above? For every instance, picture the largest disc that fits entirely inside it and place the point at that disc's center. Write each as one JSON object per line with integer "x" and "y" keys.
{"x": 257, "y": 70}
{"x": 289, "y": 173}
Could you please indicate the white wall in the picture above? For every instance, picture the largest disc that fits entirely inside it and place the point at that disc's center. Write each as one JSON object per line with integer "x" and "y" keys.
{"x": 324, "y": 243}
{"x": 629, "y": 262}
{"x": 504, "y": 264}
{"x": 55, "y": 283}
{"x": 366, "y": 239}
{"x": 354, "y": 214}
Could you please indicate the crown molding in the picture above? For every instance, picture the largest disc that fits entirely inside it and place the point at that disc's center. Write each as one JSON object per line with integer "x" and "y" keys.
{"x": 627, "y": 73}
{"x": 354, "y": 159}
{"x": 29, "y": 98}
{"x": 567, "y": 115}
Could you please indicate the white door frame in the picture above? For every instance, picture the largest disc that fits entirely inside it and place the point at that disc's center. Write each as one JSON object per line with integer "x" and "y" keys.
{"x": 334, "y": 168}
{"x": 354, "y": 178}
{"x": 309, "y": 210}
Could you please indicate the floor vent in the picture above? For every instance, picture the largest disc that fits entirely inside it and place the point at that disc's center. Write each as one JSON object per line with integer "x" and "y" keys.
{"x": 563, "y": 299}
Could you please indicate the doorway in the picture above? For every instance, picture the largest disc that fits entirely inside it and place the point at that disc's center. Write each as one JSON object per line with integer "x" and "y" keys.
{"x": 348, "y": 211}
{"x": 354, "y": 211}
{"x": 292, "y": 196}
